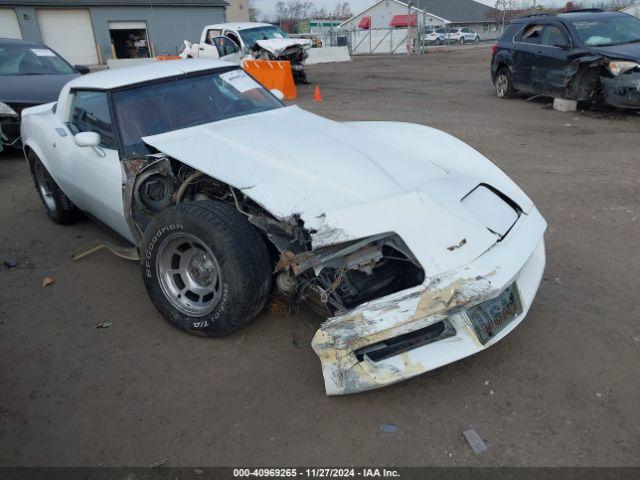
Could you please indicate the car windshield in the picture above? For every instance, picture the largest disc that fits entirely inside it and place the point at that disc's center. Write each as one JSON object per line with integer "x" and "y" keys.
{"x": 604, "y": 31}
{"x": 252, "y": 35}
{"x": 31, "y": 60}
{"x": 196, "y": 100}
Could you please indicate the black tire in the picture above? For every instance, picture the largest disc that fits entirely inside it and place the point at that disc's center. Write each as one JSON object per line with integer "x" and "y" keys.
{"x": 236, "y": 268}
{"x": 58, "y": 206}
{"x": 477, "y": 40}
{"x": 439, "y": 42}
{"x": 503, "y": 84}
{"x": 461, "y": 40}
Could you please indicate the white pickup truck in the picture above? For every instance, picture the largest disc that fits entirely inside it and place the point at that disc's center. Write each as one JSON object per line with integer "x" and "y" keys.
{"x": 234, "y": 41}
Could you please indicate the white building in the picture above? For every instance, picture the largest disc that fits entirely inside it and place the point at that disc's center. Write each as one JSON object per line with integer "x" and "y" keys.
{"x": 428, "y": 14}
{"x": 382, "y": 14}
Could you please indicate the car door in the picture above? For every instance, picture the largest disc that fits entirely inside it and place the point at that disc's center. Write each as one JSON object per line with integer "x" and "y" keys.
{"x": 237, "y": 39}
{"x": 526, "y": 45}
{"x": 207, "y": 49}
{"x": 553, "y": 58}
{"x": 92, "y": 176}
{"x": 228, "y": 50}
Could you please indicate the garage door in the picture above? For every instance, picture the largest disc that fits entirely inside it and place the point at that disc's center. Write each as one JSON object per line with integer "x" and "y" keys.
{"x": 9, "y": 27}
{"x": 69, "y": 33}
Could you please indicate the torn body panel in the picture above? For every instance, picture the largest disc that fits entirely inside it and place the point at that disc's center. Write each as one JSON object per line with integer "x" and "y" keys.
{"x": 441, "y": 301}
{"x": 281, "y": 46}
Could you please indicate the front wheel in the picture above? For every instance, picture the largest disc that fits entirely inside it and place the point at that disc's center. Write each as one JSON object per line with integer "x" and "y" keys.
{"x": 205, "y": 267}
{"x": 477, "y": 40}
{"x": 503, "y": 84}
{"x": 461, "y": 40}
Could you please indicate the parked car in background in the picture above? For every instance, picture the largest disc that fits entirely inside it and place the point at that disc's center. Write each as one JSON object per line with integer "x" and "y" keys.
{"x": 588, "y": 55}
{"x": 30, "y": 74}
{"x": 462, "y": 36}
{"x": 417, "y": 249}
{"x": 437, "y": 36}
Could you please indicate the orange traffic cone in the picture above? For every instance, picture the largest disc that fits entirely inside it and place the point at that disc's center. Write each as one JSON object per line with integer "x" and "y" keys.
{"x": 317, "y": 96}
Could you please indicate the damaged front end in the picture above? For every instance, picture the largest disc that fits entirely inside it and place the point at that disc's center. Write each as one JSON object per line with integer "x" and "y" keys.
{"x": 295, "y": 51}
{"x": 603, "y": 80}
{"x": 387, "y": 319}
{"x": 403, "y": 275}
{"x": 622, "y": 87}
{"x": 9, "y": 126}
{"x": 425, "y": 327}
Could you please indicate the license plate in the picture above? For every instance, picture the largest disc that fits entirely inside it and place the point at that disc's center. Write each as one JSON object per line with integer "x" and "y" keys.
{"x": 490, "y": 317}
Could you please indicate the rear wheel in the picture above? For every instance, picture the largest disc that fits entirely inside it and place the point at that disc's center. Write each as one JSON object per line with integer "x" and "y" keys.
{"x": 205, "y": 267}
{"x": 503, "y": 84}
{"x": 477, "y": 40}
{"x": 461, "y": 40}
{"x": 59, "y": 208}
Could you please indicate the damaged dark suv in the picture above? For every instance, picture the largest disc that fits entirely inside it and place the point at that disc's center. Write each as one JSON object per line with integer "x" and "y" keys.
{"x": 588, "y": 56}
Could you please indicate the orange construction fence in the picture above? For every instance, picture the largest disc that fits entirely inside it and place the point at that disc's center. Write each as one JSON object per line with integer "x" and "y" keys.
{"x": 162, "y": 58}
{"x": 273, "y": 75}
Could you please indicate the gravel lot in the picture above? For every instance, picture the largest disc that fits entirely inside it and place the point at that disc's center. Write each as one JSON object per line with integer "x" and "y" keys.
{"x": 562, "y": 389}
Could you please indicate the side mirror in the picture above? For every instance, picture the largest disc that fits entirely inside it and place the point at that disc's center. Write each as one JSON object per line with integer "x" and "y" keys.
{"x": 277, "y": 93}
{"x": 87, "y": 139}
{"x": 561, "y": 44}
{"x": 82, "y": 69}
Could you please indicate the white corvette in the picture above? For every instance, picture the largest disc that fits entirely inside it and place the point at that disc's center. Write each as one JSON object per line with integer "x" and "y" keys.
{"x": 417, "y": 248}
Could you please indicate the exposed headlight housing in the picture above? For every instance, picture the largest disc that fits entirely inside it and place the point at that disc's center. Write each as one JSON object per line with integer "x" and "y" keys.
{"x": 616, "y": 67}
{"x": 7, "y": 111}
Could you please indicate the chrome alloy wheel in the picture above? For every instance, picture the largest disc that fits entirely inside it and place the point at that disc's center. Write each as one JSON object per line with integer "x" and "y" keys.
{"x": 43, "y": 182}
{"x": 502, "y": 85}
{"x": 189, "y": 274}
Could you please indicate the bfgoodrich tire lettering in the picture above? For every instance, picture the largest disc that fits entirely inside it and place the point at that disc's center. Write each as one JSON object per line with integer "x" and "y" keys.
{"x": 205, "y": 267}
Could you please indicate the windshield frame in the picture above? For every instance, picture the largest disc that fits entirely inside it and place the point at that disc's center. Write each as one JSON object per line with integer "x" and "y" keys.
{"x": 37, "y": 46}
{"x": 570, "y": 24}
{"x": 157, "y": 81}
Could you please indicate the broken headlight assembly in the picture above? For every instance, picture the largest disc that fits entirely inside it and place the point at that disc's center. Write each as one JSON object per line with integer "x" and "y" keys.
{"x": 7, "y": 111}
{"x": 617, "y": 67}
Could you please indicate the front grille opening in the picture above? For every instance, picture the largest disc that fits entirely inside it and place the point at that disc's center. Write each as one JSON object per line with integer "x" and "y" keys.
{"x": 408, "y": 341}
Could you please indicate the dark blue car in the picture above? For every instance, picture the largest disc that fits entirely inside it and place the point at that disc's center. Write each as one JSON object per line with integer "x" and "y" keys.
{"x": 30, "y": 74}
{"x": 589, "y": 55}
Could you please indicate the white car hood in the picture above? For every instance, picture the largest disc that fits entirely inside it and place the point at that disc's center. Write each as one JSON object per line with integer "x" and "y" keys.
{"x": 279, "y": 45}
{"x": 351, "y": 180}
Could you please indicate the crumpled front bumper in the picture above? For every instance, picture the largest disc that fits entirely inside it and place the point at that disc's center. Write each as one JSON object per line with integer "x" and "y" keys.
{"x": 622, "y": 91}
{"x": 519, "y": 258}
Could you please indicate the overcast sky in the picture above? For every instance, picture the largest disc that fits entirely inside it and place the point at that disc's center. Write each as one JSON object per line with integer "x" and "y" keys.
{"x": 266, "y": 7}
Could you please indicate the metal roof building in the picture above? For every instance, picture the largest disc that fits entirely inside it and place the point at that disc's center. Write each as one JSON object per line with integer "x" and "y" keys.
{"x": 428, "y": 13}
{"x": 91, "y": 31}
